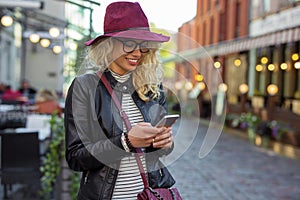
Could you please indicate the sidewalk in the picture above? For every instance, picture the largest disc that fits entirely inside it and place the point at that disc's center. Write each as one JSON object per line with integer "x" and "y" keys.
{"x": 234, "y": 169}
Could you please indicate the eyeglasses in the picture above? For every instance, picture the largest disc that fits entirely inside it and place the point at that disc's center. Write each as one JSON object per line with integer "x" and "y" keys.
{"x": 130, "y": 46}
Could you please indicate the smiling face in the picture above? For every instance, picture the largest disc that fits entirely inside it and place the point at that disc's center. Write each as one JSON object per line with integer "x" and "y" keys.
{"x": 126, "y": 62}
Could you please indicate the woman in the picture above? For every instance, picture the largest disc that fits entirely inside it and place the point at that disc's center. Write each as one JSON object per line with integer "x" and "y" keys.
{"x": 46, "y": 102}
{"x": 97, "y": 142}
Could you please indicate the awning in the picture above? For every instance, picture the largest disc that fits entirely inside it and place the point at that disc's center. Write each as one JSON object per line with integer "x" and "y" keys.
{"x": 238, "y": 45}
{"x": 22, "y": 4}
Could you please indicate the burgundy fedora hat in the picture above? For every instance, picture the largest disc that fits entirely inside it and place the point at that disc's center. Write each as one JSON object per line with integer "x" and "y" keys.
{"x": 127, "y": 20}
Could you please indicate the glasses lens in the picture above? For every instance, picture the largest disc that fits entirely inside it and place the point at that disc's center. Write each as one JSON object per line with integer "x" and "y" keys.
{"x": 129, "y": 46}
{"x": 144, "y": 47}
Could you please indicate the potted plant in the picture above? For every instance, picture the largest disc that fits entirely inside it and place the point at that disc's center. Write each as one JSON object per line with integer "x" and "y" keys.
{"x": 52, "y": 165}
{"x": 250, "y": 122}
{"x": 264, "y": 132}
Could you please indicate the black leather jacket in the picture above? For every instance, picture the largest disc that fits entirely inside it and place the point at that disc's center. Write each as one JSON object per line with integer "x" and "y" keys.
{"x": 93, "y": 135}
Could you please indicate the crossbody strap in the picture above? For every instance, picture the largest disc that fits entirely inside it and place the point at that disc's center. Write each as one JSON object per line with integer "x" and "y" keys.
{"x": 138, "y": 151}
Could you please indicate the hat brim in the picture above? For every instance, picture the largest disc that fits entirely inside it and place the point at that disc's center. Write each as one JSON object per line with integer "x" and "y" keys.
{"x": 132, "y": 34}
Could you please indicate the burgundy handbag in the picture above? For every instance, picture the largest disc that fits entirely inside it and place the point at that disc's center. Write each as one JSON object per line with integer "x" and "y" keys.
{"x": 148, "y": 193}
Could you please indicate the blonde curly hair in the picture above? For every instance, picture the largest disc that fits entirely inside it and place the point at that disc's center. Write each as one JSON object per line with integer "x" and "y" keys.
{"x": 146, "y": 78}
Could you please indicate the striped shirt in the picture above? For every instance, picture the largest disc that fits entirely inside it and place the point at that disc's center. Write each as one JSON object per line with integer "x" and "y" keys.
{"x": 129, "y": 182}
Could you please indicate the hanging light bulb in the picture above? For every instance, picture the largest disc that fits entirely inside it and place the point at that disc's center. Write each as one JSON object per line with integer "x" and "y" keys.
{"x": 295, "y": 56}
{"x": 199, "y": 77}
{"x": 223, "y": 87}
{"x": 34, "y": 38}
{"x": 7, "y": 20}
{"x": 217, "y": 64}
{"x": 243, "y": 88}
{"x": 283, "y": 66}
{"x": 271, "y": 67}
{"x": 57, "y": 49}
{"x": 297, "y": 65}
{"x": 272, "y": 89}
{"x": 45, "y": 43}
{"x": 264, "y": 60}
{"x": 259, "y": 68}
{"x": 54, "y": 32}
{"x": 237, "y": 62}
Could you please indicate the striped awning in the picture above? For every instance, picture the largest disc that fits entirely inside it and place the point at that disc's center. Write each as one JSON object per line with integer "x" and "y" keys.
{"x": 272, "y": 39}
{"x": 239, "y": 45}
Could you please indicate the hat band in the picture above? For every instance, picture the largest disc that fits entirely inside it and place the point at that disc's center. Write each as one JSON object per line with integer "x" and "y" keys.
{"x": 128, "y": 29}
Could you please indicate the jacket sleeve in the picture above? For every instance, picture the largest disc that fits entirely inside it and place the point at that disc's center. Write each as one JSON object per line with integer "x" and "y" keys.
{"x": 87, "y": 146}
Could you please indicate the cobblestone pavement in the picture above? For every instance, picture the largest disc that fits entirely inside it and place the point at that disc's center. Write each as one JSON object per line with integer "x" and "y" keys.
{"x": 234, "y": 169}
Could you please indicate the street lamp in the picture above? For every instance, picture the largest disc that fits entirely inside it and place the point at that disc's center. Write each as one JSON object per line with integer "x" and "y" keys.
{"x": 221, "y": 99}
{"x": 243, "y": 88}
{"x": 272, "y": 90}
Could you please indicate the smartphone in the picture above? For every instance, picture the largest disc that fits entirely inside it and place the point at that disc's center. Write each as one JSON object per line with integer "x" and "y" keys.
{"x": 167, "y": 120}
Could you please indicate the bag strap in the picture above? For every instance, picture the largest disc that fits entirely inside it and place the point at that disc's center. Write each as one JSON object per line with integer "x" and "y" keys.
{"x": 138, "y": 151}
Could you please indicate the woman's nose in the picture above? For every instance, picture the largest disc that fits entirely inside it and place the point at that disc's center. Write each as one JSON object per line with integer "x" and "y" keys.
{"x": 137, "y": 52}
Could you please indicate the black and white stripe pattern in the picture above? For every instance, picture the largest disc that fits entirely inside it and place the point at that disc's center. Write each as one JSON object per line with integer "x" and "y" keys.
{"x": 129, "y": 182}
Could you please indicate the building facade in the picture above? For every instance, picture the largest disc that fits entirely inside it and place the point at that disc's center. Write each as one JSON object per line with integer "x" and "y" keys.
{"x": 31, "y": 47}
{"x": 253, "y": 42}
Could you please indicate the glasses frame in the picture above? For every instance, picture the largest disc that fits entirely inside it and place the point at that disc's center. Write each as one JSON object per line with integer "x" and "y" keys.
{"x": 136, "y": 44}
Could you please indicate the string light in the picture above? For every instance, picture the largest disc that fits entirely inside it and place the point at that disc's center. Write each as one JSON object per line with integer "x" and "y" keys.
{"x": 283, "y": 66}
{"x": 217, "y": 64}
{"x": 199, "y": 77}
{"x": 34, "y": 38}
{"x": 264, "y": 60}
{"x": 7, "y": 20}
{"x": 297, "y": 65}
{"x": 295, "y": 57}
{"x": 54, "y": 32}
{"x": 57, "y": 49}
{"x": 271, "y": 67}
{"x": 223, "y": 87}
{"x": 45, "y": 43}
{"x": 243, "y": 88}
{"x": 259, "y": 68}
{"x": 272, "y": 89}
{"x": 237, "y": 62}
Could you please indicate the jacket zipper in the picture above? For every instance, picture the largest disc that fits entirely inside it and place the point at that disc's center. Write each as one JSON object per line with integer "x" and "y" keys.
{"x": 160, "y": 172}
{"x": 86, "y": 177}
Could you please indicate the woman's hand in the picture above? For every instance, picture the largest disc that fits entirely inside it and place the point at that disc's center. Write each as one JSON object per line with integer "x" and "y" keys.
{"x": 164, "y": 139}
{"x": 142, "y": 134}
